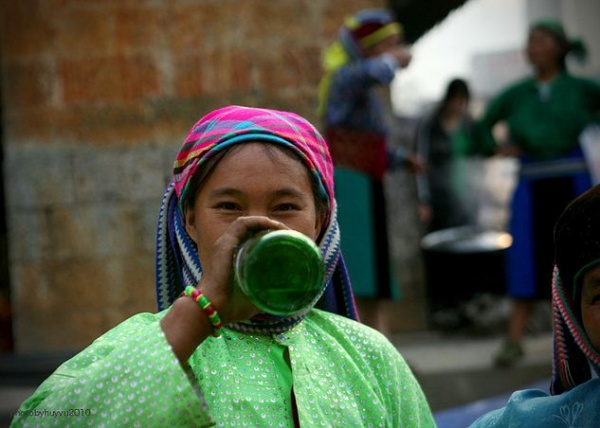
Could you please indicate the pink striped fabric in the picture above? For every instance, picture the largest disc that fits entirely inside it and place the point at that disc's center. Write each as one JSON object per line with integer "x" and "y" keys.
{"x": 233, "y": 124}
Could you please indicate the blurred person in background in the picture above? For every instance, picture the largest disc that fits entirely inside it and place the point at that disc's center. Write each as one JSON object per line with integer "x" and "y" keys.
{"x": 446, "y": 195}
{"x": 353, "y": 104}
{"x": 574, "y": 399}
{"x": 442, "y": 143}
{"x": 545, "y": 115}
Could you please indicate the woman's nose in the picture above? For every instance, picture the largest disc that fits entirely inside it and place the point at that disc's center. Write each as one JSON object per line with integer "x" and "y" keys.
{"x": 258, "y": 212}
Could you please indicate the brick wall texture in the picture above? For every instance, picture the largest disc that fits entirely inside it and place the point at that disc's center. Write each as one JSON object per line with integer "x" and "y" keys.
{"x": 97, "y": 97}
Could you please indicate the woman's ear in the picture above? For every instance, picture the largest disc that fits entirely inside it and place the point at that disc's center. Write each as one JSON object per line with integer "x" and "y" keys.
{"x": 190, "y": 223}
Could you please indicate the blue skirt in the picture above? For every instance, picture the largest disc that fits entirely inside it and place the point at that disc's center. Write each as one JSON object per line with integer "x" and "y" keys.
{"x": 544, "y": 190}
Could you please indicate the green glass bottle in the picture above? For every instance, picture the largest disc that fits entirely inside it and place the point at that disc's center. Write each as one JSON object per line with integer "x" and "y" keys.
{"x": 281, "y": 271}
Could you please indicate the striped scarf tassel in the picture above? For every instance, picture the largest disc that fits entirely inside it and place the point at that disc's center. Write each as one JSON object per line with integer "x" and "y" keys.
{"x": 572, "y": 351}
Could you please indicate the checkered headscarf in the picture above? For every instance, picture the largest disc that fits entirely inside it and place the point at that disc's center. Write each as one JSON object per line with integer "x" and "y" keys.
{"x": 177, "y": 261}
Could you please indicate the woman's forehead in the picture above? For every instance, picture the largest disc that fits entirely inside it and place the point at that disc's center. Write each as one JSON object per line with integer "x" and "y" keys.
{"x": 252, "y": 150}
{"x": 260, "y": 161}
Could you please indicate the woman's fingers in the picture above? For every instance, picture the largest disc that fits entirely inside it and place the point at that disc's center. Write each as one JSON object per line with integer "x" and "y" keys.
{"x": 217, "y": 278}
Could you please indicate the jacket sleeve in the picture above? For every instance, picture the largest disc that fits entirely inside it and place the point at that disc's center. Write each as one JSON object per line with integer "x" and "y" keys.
{"x": 405, "y": 398}
{"x": 366, "y": 72}
{"x": 483, "y": 138}
{"x": 127, "y": 377}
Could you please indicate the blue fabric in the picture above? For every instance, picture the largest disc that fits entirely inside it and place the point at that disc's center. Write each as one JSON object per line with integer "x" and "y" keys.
{"x": 353, "y": 99}
{"x": 520, "y": 273}
{"x": 521, "y": 262}
{"x": 464, "y": 415}
{"x": 530, "y": 408}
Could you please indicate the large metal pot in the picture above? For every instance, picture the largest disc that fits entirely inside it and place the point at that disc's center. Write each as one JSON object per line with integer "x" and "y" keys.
{"x": 463, "y": 261}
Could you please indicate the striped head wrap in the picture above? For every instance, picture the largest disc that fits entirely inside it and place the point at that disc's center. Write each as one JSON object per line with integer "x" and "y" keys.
{"x": 577, "y": 244}
{"x": 362, "y": 30}
{"x": 177, "y": 260}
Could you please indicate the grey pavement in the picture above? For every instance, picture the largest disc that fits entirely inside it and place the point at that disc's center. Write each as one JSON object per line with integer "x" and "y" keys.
{"x": 10, "y": 399}
{"x": 457, "y": 370}
{"x": 453, "y": 370}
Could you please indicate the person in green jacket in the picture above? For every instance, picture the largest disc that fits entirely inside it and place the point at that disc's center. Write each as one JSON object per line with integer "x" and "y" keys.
{"x": 210, "y": 357}
{"x": 545, "y": 115}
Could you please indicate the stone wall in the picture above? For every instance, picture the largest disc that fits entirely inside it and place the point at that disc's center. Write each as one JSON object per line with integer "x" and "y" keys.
{"x": 97, "y": 97}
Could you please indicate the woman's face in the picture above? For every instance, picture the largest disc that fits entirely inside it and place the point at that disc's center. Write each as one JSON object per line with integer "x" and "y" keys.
{"x": 253, "y": 180}
{"x": 543, "y": 50}
{"x": 590, "y": 305}
{"x": 458, "y": 105}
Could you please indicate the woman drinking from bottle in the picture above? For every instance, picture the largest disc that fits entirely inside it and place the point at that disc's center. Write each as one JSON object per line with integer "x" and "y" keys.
{"x": 210, "y": 356}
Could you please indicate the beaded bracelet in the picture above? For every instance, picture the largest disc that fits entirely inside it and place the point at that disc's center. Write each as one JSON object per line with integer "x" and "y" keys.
{"x": 207, "y": 307}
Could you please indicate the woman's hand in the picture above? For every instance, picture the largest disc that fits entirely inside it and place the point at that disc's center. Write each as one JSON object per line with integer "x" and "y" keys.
{"x": 186, "y": 325}
{"x": 402, "y": 55}
{"x": 217, "y": 277}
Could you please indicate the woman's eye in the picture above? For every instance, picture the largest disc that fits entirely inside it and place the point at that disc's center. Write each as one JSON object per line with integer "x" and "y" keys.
{"x": 287, "y": 207}
{"x": 228, "y": 206}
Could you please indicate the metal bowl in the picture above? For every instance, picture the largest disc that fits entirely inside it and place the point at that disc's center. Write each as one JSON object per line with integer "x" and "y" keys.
{"x": 466, "y": 240}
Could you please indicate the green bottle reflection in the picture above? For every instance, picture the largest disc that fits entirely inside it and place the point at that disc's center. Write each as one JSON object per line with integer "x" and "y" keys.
{"x": 281, "y": 271}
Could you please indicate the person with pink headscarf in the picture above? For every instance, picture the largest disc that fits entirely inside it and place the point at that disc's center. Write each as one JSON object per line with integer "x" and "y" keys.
{"x": 209, "y": 356}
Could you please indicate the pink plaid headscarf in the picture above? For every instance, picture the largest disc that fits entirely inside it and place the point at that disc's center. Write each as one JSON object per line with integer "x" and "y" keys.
{"x": 177, "y": 260}
{"x": 231, "y": 125}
